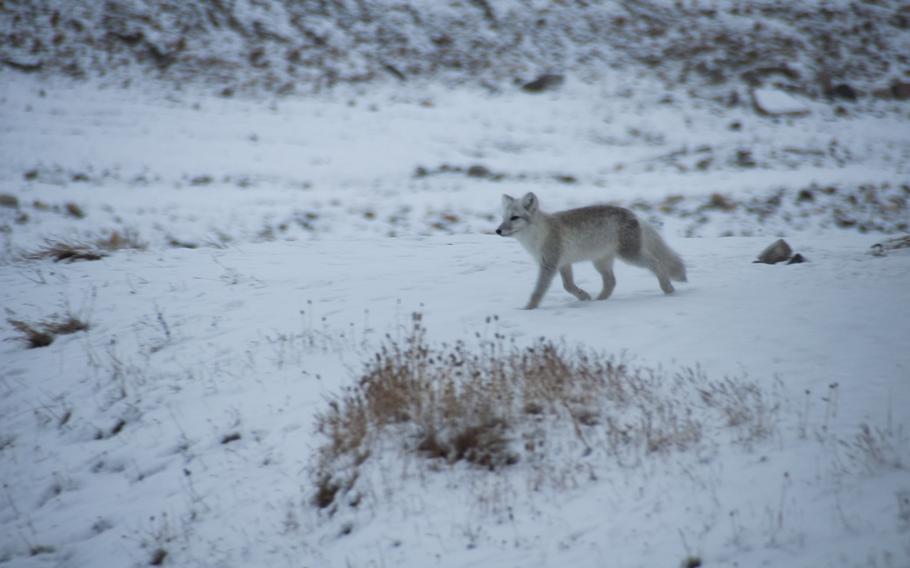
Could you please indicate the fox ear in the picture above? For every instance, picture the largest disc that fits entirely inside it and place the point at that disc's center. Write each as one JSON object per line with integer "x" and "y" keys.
{"x": 529, "y": 202}
{"x": 507, "y": 200}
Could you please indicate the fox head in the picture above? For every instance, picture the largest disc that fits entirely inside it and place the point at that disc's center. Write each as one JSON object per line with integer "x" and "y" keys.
{"x": 516, "y": 213}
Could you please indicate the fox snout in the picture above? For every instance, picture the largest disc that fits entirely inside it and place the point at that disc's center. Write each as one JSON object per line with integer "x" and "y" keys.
{"x": 499, "y": 231}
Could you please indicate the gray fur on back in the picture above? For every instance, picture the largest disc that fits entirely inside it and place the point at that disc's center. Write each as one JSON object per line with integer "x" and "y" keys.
{"x": 619, "y": 220}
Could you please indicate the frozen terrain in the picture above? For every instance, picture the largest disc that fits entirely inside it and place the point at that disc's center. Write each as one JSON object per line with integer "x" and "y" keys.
{"x": 273, "y": 245}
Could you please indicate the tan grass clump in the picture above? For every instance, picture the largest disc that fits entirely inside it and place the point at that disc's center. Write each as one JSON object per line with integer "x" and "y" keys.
{"x": 42, "y": 334}
{"x": 63, "y": 250}
{"x": 497, "y": 405}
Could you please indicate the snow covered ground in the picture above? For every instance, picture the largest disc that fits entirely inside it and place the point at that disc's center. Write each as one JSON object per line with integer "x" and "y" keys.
{"x": 284, "y": 239}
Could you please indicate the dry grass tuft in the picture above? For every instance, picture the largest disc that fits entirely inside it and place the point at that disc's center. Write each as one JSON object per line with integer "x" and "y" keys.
{"x": 31, "y": 336}
{"x": 64, "y": 251}
{"x": 497, "y": 405}
{"x": 64, "y": 325}
{"x": 73, "y": 210}
{"x": 158, "y": 557}
{"x": 118, "y": 240}
{"x": 71, "y": 250}
{"x": 879, "y": 448}
{"x": 9, "y": 200}
{"x": 42, "y": 334}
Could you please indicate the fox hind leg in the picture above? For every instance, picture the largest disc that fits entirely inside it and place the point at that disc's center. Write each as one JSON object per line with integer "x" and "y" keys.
{"x": 569, "y": 284}
{"x": 660, "y": 271}
{"x": 605, "y": 267}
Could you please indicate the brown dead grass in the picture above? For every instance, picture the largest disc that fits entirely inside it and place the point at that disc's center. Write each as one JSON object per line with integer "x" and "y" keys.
{"x": 31, "y": 336}
{"x": 64, "y": 325}
{"x": 42, "y": 334}
{"x": 9, "y": 200}
{"x": 879, "y": 448}
{"x": 496, "y": 405}
{"x": 64, "y": 250}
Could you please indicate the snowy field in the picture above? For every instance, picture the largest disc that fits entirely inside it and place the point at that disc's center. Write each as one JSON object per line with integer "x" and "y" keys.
{"x": 274, "y": 246}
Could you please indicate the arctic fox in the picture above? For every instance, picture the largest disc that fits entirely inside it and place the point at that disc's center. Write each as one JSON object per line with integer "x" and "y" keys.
{"x": 597, "y": 233}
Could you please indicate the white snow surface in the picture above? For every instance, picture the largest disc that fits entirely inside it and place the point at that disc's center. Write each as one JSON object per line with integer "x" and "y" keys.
{"x": 114, "y": 442}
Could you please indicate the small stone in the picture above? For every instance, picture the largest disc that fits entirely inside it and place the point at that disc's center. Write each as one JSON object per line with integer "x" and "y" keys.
{"x": 900, "y": 90}
{"x": 797, "y": 258}
{"x": 545, "y": 82}
{"x": 478, "y": 171}
{"x": 778, "y": 251}
{"x": 843, "y": 91}
{"x": 805, "y": 195}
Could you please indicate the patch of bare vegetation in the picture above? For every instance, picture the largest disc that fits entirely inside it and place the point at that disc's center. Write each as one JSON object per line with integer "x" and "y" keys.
{"x": 845, "y": 51}
{"x": 73, "y": 210}
{"x": 120, "y": 240}
{"x": 498, "y": 405}
{"x": 64, "y": 325}
{"x": 42, "y": 334}
{"x": 9, "y": 200}
{"x": 879, "y": 448}
{"x": 29, "y": 335}
{"x": 63, "y": 250}
{"x": 479, "y": 171}
{"x": 866, "y": 208}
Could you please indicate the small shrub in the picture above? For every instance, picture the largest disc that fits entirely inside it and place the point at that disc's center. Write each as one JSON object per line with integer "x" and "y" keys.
{"x": 71, "y": 250}
{"x": 64, "y": 326}
{"x": 38, "y": 549}
{"x": 874, "y": 449}
{"x": 31, "y": 336}
{"x": 42, "y": 334}
{"x": 232, "y": 437}
{"x": 8, "y": 200}
{"x": 73, "y": 210}
{"x": 326, "y": 489}
{"x": 158, "y": 557}
{"x": 720, "y": 202}
{"x": 64, "y": 251}
{"x": 496, "y": 405}
{"x": 118, "y": 240}
{"x": 177, "y": 243}
{"x": 118, "y": 427}
{"x": 484, "y": 443}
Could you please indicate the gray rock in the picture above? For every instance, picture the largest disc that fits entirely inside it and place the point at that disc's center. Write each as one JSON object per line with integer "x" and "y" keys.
{"x": 778, "y": 251}
{"x": 842, "y": 91}
{"x": 546, "y": 82}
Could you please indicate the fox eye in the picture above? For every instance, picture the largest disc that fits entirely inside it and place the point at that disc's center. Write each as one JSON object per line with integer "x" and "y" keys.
{"x": 515, "y": 218}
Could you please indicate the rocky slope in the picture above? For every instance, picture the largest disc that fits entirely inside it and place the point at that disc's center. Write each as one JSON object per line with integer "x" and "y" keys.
{"x": 840, "y": 50}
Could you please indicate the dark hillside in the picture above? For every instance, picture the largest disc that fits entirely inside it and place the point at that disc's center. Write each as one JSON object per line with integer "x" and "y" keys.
{"x": 843, "y": 50}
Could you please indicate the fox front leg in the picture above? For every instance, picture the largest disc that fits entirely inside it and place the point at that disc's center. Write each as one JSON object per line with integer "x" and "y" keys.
{"x": 544, "y": 278}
